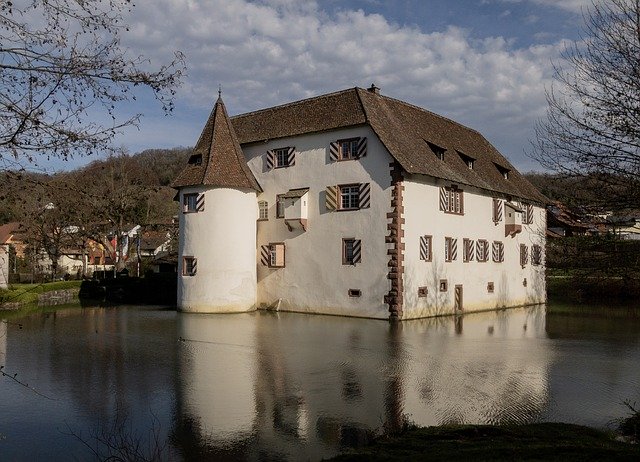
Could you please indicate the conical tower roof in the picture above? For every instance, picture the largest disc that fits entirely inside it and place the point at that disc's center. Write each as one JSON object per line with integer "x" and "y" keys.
{"x": 217, "y": 159}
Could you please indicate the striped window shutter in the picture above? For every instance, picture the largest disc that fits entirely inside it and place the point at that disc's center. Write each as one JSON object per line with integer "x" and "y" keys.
{"x": 444, "y": 199}
{"x": 271, "y": 159}
{"x": 529, "y": 214}
{"x": 454, "y": 249}
{"x": 200, "y": 203}
{"x": 425, "y": 248}
{"x": 331, "y": 199}
{"x": 497, "y": 210}
{"x": 291, "y": 157}
{"x": 334, "y": 150}
{"x": 524, "y": 254}
{"x": 357, "y": 251}
{"x": 469, "y": 250}
{"x": 362, "y": 147}
{"x": 265, "y": 255}
{"x": 497, "y": 251}
{"x": 365, "y": 195}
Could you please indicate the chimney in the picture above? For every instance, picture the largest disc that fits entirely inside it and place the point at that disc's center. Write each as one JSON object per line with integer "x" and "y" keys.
{"x": 373, "y": 89}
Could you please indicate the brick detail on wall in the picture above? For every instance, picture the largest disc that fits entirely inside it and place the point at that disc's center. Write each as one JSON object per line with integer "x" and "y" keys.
{"x": 394, "y": 297}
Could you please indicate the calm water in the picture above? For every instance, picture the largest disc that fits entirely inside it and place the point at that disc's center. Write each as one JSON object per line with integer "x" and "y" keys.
{"x": 267, "y": 386}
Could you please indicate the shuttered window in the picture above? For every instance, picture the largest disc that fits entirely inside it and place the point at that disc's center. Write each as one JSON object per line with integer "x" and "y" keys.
{"x": 280, "y": 206}
{"x": 192, "y": 202}
{"x": 524, "y": 255}
{"x": 347, "y": 149}
{"x": 426, "y": 248}
{"x": 536, "y": 254}
{"x": 263, "y": 210}
{"x": 273, "y": 255}
{"x": 348, "y": 197}
{"x": 468, "y": 250}
{"x": 189, "y": 266}
{"x": 351, "y": 251}
{"x": 497, "y": 211}
{"x": 527, "y": 214}
{"x": 452, "y": 200}
{"x": 497, "y": 251}
{"x": 483, "y": 250}
{"x": 450, "y": 249}
{"x": 281, "y": 157}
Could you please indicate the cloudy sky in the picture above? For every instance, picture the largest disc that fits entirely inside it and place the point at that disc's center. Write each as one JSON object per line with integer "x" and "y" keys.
{"x": 483, "y": 63}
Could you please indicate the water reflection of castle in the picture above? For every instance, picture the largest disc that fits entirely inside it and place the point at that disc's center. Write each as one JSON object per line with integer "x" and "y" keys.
{"x": 264, "y": 386}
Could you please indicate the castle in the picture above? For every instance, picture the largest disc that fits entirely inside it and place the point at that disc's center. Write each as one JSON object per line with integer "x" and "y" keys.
{"x": 353, "y": 203}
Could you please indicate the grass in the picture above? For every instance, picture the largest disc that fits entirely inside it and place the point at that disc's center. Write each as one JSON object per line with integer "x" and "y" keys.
{"x": 28, "y": 293}
{"x": 541, "y": 441}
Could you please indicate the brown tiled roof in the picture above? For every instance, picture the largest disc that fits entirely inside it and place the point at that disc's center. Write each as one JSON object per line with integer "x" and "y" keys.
{"x": 221, "y": 162}
{"x": 9, "y": 230}
{"x": 405, "y": 130}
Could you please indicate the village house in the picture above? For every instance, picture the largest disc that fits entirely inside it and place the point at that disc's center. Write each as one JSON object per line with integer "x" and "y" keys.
{"x": 353, "y": 203}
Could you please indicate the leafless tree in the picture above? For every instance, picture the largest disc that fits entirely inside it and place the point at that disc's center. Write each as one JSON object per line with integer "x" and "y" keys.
{"x": 62, "y": 67}
{"x": 592, "y": 128}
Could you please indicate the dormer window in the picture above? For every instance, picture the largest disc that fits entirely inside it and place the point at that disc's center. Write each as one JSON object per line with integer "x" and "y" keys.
{"x": 195, "y": 159}
{"x": 504, "y": 171}
{"x": 468, "y": 160}
{"x": 437, "y": 150}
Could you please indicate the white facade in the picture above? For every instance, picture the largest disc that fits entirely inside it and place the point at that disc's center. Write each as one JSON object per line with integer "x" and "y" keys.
{"x": 4, "y": 266}
{"x": 314, "y": 279}
{"x": 222, "y": 240}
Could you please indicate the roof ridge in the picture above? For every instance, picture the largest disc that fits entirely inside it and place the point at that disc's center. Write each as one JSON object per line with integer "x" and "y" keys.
{"x": 294, "y": 103}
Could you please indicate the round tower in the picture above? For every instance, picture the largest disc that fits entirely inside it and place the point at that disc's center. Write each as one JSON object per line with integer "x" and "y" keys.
{"x": 217, "y": 234}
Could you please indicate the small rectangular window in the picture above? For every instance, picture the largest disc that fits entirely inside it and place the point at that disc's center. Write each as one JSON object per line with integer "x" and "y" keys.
{"x": 444, "y": 285}
{"x": 349, "y": 196}
{"x": 355, "y": 292}
{"x": 283, "y": 157}
{"x": 280, "y": 206}
{"x": 276, "y": 255}
{"x": 348, "y": 149}
{"x": 423, "y": 291}
{"x": 351, "y": 251}
{"x": 263, "y": 210}
{"x": 189, "y": 266}
{"x": 190, "y": 202}
{"x": 490, "y": 287}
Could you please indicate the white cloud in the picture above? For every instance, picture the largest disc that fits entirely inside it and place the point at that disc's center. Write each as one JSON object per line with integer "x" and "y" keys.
{"x": 274, "y": 51}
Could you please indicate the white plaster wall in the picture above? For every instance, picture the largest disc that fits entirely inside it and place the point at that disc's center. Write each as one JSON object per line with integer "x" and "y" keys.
{"x": 423, "y": 217}
{"x": 4, "y": 266}
{"x": 223, "y": 239}
{"x": 314, "y": 279}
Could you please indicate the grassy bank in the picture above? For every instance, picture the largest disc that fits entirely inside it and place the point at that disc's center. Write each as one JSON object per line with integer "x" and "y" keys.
{"x": 543, "y": 441}
{"x": 28, "y": 293}
{"x": 582, "y": 287}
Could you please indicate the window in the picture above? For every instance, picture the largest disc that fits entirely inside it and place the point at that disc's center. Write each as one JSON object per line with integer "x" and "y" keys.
{"x": 468, "y": 250}
{"x": 527, "y": 214}
{"x": 536, "y": 254}
{"x": 347, "y": 149}
{"x": 281, "y": 157}
{"x": 524, "y": 255}
{"x": 423, "y": 291}
{"x": 504, "y": 172}
{"x": 437, "y": 150}
{"x": 468, "y": 160}
{"x": 276, "y": 255}
{"x": 189, "y": 266}
{"x": 497, "y": 251}
{"x": 425, "y": 248}
{"x": 263, "y": 210}
{"x": 483, "y": 250}
{"x": 451, "y": 200}
{"x": 280, "y": 206}
{"x": 195, "y": 159}
{"x": 192, "y": 203}
{"x": 490, "y": 287}
{"x": 349, "y": 196}
{"x": 354, "y": 292}
{"x": 444, "y": 285}
{"x": 497, "y": 211}
{"x": 351, "y": 251}
{"x": 450, "y": 249}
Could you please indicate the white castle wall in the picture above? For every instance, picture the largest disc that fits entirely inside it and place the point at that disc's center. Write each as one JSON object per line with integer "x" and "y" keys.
{"x": 314, "y": 279}
{"x": 4, "y": 266}
{"x": 223, "y": 239}
{"x": 423, "y": 217}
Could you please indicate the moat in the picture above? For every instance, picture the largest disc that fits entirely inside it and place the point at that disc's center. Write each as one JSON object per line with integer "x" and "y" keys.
{"x": 285, "y": 386}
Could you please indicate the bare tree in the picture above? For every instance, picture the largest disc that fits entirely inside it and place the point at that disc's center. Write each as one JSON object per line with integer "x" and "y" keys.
{"x": 592, "y": 128}
{"x": 60, "y": 59}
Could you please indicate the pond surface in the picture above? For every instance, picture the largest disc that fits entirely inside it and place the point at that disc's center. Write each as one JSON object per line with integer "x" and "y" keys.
{"x": 284, "y": 386}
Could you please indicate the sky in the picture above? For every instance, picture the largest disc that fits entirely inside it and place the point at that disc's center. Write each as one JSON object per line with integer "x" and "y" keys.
{"x": 483, "y": 63}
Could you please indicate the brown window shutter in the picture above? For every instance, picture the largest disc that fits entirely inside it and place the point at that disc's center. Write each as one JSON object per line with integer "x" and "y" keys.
{"x": 331, "y": 199}
{"x": 200, "y": 203}
{"x": 291, "y": 157}
{"x": 365, "y": 195}
{"x": 264, "y": 255}
{"x": 271, "y": 159}
{"x": 362, "y": 147}
{"x": 444, "y": 199}
{"x": 357, "y": 251}
{"x": 334, "y": 150}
